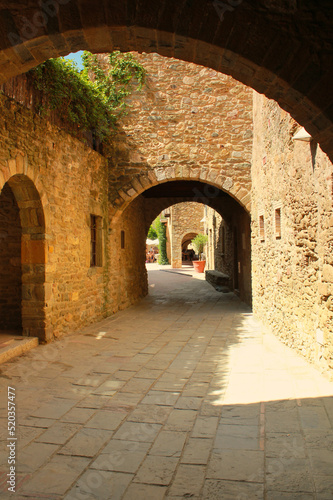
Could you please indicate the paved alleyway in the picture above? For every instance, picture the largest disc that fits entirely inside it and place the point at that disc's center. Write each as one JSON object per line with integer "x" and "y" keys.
{"x": 181, "y": 396}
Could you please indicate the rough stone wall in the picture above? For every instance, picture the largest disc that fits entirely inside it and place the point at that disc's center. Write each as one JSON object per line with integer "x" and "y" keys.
{"x": 293, "y": 271}
{"x": 189, "y": 122}
{"x": 185, "y": 218}
{"x": 250, "y": 43}
{"x": 127, "y": 272}
{"x": 229, "y": 243}
{"x": 10, "y": 262}
{"x": 241, "y": 237}
{"x": 71, "y": 181}
{"x": 214, "y": 225}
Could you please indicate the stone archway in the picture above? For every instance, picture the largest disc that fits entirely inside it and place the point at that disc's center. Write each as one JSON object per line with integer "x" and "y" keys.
{"x": 136, "y": 218}
{"x": 187, "y": 238}
{"x": 22, "y": 246}
{"x": 280, "y": 49}
{"x": 186, "y": 241}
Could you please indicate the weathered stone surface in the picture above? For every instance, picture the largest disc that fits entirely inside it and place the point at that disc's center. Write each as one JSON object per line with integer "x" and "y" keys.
{"x": 174, "y": 131}
{"x": 185, "y": 222}
{"x": 292, "y": 268}
{"x": 217, "y": 278}
{"x": 180, "y": 130}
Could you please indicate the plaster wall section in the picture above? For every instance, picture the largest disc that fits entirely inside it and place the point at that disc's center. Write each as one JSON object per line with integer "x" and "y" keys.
{"x": 292, "y": 234}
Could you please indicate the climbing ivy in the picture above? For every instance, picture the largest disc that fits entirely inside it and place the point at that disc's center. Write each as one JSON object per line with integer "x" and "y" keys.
{"x": 91, "y": 99}
{"x": 161, "y": 234}
{"x": 152, "y": 234}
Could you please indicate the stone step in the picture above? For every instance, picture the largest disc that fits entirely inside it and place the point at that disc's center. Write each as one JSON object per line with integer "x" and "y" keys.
{"x": 218, "y": 280}
{"x": 14, "y": 345}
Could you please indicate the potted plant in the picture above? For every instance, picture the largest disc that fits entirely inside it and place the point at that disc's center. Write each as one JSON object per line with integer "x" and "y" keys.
{"x": 199, "y": 242}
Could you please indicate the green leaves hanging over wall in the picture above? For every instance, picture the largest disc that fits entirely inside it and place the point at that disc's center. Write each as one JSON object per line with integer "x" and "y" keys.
{"x": 92, "y": 99}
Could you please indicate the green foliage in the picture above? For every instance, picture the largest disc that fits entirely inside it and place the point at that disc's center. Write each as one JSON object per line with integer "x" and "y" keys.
{"x": 91, "y": 99}
{"x": 152, "y": 234}
{"x": 161, "y": 234}
{"x": 199, "y": 242}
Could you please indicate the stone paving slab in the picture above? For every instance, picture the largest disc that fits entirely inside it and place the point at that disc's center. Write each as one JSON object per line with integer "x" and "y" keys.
{"x": 183, "y": 395}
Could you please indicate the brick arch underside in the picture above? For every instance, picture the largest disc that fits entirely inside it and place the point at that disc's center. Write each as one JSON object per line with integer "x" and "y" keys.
{"x": 238, "y": 195}
{"x": 30, "y": 237}
{"x": 277, "y": 50}
{"x": 155, "y": 206}
{"x": 188, "y": 237}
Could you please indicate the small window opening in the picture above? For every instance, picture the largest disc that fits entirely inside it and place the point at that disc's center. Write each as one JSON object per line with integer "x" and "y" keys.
{"x": 95, "y": 241}
{"x": 278, "y": 223}
{"x": 122, "y": 239}
{"x": 261, "y": 228}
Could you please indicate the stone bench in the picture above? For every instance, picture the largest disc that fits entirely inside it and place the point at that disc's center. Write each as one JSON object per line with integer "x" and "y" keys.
{"x": 220, "y": 281}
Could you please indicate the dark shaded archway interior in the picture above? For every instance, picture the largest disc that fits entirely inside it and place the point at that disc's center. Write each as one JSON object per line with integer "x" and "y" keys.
{"x": 22, "y": 258}
{"x": 236, "y": 222}
{"x": 169, "y": 193}
{"x": 10, "y": 263}
{"x": 187, "y": 240}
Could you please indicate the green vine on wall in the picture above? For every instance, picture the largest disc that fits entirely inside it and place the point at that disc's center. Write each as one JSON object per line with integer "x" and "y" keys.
{"x": 92, "y": 99}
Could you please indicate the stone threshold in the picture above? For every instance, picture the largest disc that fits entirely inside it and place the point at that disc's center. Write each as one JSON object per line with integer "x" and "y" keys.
{"x": 13, "y": 345}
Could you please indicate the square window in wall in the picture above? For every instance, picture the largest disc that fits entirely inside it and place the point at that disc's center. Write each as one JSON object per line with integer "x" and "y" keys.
{"x": 277, "y": 220}
{"x": 96, "y": 246}
{"x": 261, "y": 228}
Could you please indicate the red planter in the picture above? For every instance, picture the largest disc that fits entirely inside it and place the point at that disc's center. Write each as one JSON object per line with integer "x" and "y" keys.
{"x": 199, "y": 265}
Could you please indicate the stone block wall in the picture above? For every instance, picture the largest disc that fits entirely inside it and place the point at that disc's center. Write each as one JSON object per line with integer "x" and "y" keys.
{"x": 229, "y": 244}
{"x": 292, "y": 258}
{"x": 188, "y": 122}
{"x": 58, "y": 183}
{"x": 185, "y": 218}
{"x": 127, "y": 274}
{"x": 216, "y": 235}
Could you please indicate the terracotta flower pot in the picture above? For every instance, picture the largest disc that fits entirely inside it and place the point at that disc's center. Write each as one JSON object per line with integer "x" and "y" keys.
{"x": 199, "y": 265}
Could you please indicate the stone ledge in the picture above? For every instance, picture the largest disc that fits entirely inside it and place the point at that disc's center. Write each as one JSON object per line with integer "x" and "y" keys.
{"x": 218, "y": 280}
{"x": 16, "y": 345}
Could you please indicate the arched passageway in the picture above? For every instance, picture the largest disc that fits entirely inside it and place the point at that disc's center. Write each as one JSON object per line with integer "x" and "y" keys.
{"x": 186, "y": 242}
{"x": 22, "y": 258}
{"x": 283, "y": 51}
{"x": 280, "y": 49}
{"x": 140, "y": 213}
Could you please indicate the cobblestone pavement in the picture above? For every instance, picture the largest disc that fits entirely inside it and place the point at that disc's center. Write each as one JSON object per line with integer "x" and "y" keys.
{"x": 180, "y": 396}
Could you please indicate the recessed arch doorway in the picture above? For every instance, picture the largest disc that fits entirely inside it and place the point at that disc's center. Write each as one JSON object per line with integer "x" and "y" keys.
{"x": 22, "y": 258}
